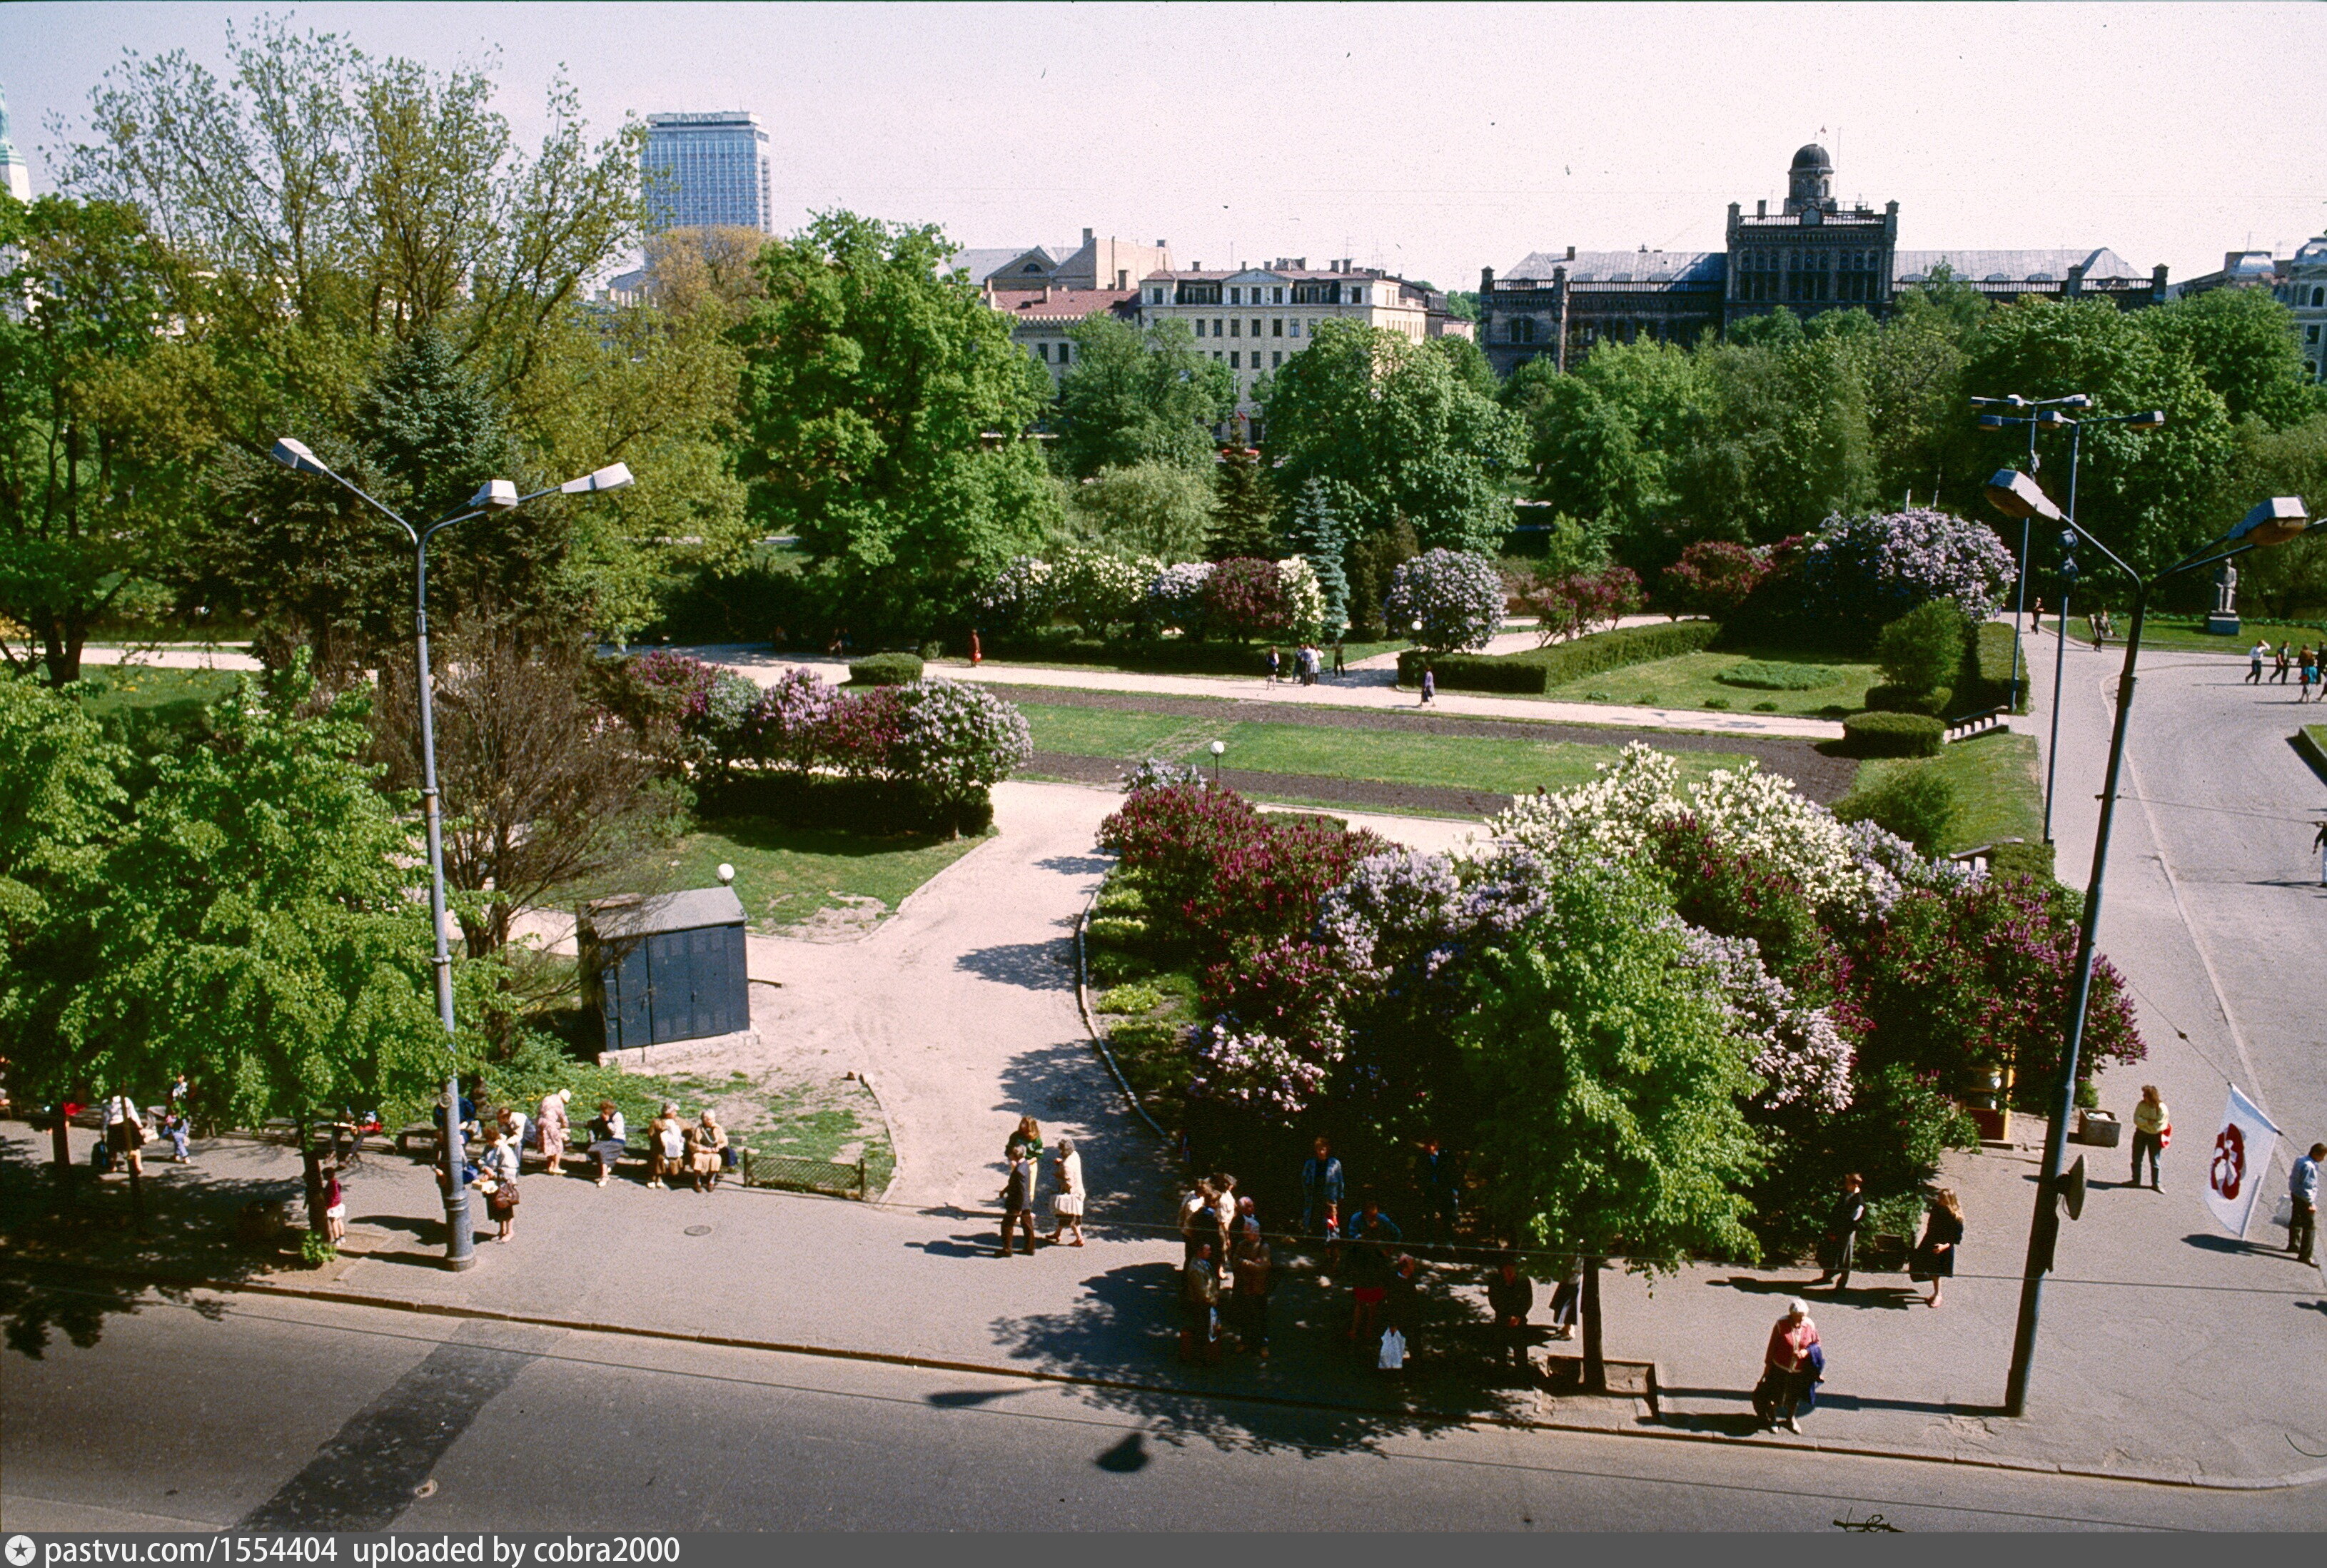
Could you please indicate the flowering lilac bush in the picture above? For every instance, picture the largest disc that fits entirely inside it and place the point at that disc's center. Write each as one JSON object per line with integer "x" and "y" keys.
{"x": 1244, "y": 597}
{"x": 1573, "y": 603}
{"x": 1175, "y": 597}
{"x": 1021, "y": 597}
{"x": 956, "y": 740}
{"x": 787, "y": 723}
{"x": 1304, "y": 601}
{"x": 1713, "y": 577}
{"x": 1799, "y": 1053}
{"x": 1874, "y": 569}
{"x": 1102, "y": 593}
{"x": 1456, "y": 595}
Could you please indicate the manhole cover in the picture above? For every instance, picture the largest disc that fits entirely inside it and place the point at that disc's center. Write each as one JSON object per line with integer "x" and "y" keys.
{"x": 699, "y": 1230}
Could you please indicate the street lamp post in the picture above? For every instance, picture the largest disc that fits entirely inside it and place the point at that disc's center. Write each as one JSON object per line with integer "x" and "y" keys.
{"x": 2274, "y": 522}
{"x": 493, "y": 495}
{"x": 1997, "y": 421}
{"x": 2053, "y": 419}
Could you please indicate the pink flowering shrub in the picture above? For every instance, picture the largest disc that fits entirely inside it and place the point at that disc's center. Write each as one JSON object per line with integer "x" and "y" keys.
{"x": 1713, "y": 577}
{"x": 1577, "y": 602}
{"x": 1244, "y": 597}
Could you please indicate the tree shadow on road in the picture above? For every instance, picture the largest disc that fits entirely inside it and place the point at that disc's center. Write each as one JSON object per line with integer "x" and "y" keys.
{"x": 1314, "y": 1397}
{"x": 1078, "y": 864}
{"x": 72, "y": 1263}
{"x": 1034, "y": 966}
{"x": 1126, "y": 1173}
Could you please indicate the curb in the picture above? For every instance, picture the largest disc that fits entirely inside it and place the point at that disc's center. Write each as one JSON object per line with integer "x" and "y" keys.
{"x": 1143, "y": 1386}
{"x": 1083, "y": 1005}
{"x": 2309, "y": 750}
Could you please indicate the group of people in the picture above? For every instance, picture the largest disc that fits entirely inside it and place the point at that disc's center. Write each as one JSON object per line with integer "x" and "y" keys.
{"x": 1021, "y": 1157}
{"x": 2305, "y": 662}
{"x": 1933, "y": 1260}
{"x": 1308, "y": 664}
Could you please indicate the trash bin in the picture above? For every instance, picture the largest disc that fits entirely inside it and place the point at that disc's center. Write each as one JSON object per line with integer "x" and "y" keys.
{"x": 2099, "y": 1129}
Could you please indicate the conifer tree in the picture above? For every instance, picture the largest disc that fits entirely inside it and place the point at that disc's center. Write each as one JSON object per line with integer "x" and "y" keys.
{"x": 1318, "y": 538}
{"x": 1246, "y": 511}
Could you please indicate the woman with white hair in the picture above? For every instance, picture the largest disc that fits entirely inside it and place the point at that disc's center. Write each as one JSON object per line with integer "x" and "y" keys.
{"x": 1791, "y": 1367}
{"x": 1067, "y": 1202}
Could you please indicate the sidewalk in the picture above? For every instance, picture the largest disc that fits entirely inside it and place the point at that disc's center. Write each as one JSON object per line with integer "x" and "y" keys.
{"x": 2147, "y": 1381}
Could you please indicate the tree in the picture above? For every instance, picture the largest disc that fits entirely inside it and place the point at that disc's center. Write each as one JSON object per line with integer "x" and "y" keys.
{"x": 1449, "y": 600}
{"x": 1400, "y": 435}
{"x": 262, "y": 928}
{"x": 1784, "y": 439}
{"x": 90, "y": 484}
{"x": 1469, "y": 363}
{"x": 883, "y": 407}
{"x": 1610, "y": 1081}
{"x": 1713, "y": 577}
{"x": 1922, "y": 650}
{"x": 1316, "y": 536}
{"x": 1149, "y": 508}
{"x": 2278, "y": 462}
{"x": 545, "y": 800}
{"x": 1245, "y": 510}
{"x": 2243, "y": 344}
{"x": 1586, "y": 457}
{"x": 1133, "y": 397}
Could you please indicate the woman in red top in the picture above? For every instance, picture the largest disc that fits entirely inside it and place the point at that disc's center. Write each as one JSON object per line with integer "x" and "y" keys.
{"x": 1787, "y": 1370}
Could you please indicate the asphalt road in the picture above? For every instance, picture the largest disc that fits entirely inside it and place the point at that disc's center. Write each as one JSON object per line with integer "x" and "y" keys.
{"x": 240, "y": 1411}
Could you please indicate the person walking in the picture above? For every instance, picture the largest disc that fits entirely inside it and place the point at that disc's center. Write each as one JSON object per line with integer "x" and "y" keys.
{"x": 1935, "y": 1254}
{"x": 1274, "y": 664}
{"x": 2255, "y": 656}
{"x": 551, "y": 1118}
{"x": 2036, "y": 616}
{"x": 1371, "y": 1235}
{"x": 976, "y": 653}
{"x": 2303, "y": 1203}
{"x": 1340, "y": 658}
{"x": 1256, "y": 1279}
{"x": 1840, "y": 1241}
{"x": 1437, "y": 1175}
{"x": 2320, "y": 843}
{"x": 125, "y": 1134}
{"x": 1788, "y": 1372}
{"x": 2286, "y": 661}
{"x": 608, "y": 1140}
{"x": 1018, "y": 1203}
{"x": 2306, "y": 672}
{"x": 1568, "y": 1301}
{"x": 496, "y": 1172}
{"x": 1199, "y": 1301}
{"x": 1511, "y": 1297}
{"x": 181, "y": 1096}
{"x": 2152, "y": 1123}
{"x": 1067, "y": 1202}
{"x": 1429, "y": 685}
{"x": 1323, "y": 1184}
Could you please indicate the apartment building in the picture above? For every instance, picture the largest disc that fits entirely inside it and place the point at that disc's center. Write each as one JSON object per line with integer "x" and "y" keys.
{"x": 1041, "y": 319}
{"x": 1253, "y": 319}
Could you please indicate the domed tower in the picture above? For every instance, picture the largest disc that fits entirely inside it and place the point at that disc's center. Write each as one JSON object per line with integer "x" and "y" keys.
{"x": 14, "y": 177}
{"x": 1809, "y": 183}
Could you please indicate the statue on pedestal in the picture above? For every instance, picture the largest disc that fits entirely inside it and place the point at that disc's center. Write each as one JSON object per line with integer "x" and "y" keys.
{"x": 2226, "y": 590}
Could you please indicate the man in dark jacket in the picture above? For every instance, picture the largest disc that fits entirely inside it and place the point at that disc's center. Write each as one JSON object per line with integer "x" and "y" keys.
{"x": 1841, "y": 1237}
{"x": 1511, "y": 1297}
{"x": 1200, "y": 1297}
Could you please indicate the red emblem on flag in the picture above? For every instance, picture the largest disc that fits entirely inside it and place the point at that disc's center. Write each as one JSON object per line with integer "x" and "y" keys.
{"x": 2229, "y": 1167}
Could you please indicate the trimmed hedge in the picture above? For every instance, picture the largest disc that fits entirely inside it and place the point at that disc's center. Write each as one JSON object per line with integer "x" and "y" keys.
{"x": 1763, "y": 675}
{"x": 1876, "y": 734}
{"x": 2022, "y": 859}
{"x": 1538, "y": 669}
{"x": 1987, "y": 679}
{"x": 1895, "y": 699}
{"x": 884, "y": 669}
{"x": 876, "y": 807}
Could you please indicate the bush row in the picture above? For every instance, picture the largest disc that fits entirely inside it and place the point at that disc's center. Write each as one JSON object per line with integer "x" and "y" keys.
{"x": 1987, "y": 679}
{"x": 1883, "y": 734}
{"x": 884, "y": 669}
{"x": 877, "y": 808}
{"x": 1537, "y": 670}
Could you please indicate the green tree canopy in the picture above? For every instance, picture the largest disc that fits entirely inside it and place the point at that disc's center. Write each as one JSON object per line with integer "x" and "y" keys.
{"x": 1148, "y": 509}
{"x": 1398, "y": 433}
{"x": 1244, "y": 509}
{"x": 1133, "y": 397}
{"x": 1317, "y": 536}
{"x": 883, "y": 410}
{"x": 2243, "y": 344}
{"x": 1784, "y": 440}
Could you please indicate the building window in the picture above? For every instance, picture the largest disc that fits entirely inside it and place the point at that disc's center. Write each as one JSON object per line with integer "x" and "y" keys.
{"x": 2318, "y": 298}
{"x": 1233, "y": 324}
{"x": 1042, "y": 352}
{"x": 1216, "y": 326}
{"x": 1065, "y": 352}
{"x": 1276, "y": 326}
{"x": 1522, "y": 330}
{"x": 1216, "y": 356}
{"x": 1357, "y": 296}
{"x": 1235, "y": 296}
{"x": 1277, "y": 297}
{"x": 1313, "y": 327}
{"x": 1276, "y": 355}
{"x": 1232, "y": 359}
{"x": 2311, "y": 334}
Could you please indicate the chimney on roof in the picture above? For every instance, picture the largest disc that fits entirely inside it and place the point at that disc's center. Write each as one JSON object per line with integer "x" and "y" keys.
{"x": 1159, "y": 244}
{"x": 1086, "y": 237}
{"x": 1301, "y": 262}
{"x": 1762, "y": 208}
{"x": 1121, "y": 277}
{"x": 1571, "y": 253}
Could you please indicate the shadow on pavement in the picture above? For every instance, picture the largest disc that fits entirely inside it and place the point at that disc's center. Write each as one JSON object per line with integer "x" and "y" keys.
{"x": 1077, "y": 864}
{"x": 1036, "y": 965}
{"x": 2206, "y": 1241}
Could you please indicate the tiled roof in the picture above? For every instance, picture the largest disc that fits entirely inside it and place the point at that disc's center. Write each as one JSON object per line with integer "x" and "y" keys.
{"x": 981, "y": 263}
{"x": 1627, "y": 267}
{"x": 1065, "y": 304}
{"x": 2014, "y": 266}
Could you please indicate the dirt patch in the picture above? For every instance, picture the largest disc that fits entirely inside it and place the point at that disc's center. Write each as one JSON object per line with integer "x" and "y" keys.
{"x": 852, "y": 919}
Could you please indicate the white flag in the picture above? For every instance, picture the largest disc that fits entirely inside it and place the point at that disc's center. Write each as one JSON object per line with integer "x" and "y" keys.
{"x": 2238, "y": 1163}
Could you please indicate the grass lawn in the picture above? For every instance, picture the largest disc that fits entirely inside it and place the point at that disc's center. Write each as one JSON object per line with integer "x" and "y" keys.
{"x": 2314, "y": 748}
{"x": 1110, "y": 731}
{"x": 1459, "y": 762}
{"x": 789, "y": 876}
{"x": 107, "y": 690}
{"x": 1687, "y": 682}
{"x": 2187, "y": 634}
{"x": 1998, "y": 792}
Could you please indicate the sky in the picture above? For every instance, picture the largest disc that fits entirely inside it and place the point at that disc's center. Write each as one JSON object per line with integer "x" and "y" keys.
{"x": 1429, "y": 140}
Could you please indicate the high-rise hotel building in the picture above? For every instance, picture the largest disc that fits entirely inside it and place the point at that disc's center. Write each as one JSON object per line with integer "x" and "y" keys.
{"x": 707, "y": 171}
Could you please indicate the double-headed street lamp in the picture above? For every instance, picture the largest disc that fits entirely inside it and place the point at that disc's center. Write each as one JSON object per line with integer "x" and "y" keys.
{"x": 495, "y": 495}
{"x": 2274, "y": 522}
{"x": 2054, "y": 419}
{"x": 2016, "y": 402}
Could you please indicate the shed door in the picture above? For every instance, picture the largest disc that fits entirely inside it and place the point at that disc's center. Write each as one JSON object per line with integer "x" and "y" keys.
{"x": 706, "y": 957}
{"x": 628, "y": 1016}
{"x": 673, "y": 984}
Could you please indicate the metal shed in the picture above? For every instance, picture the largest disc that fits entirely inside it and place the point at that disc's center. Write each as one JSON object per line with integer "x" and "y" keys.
{"x": 667, "y": 967}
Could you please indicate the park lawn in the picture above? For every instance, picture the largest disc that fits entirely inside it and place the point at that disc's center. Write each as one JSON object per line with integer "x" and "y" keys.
{"x": 109, "y": 690}
{"x": 1687, "y": 681}
{"x": 1998, "y": 792}
{"x": 1111, "y": 732}
{"x": 788, "y": 875}
{"x": 1457, "y": 762}
{"x": 2189, "y": 634}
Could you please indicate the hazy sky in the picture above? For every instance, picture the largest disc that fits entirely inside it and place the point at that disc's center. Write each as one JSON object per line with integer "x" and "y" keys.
{"x": 1432, "y": 140}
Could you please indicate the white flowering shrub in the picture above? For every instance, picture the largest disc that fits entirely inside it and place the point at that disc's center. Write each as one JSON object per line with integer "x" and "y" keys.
{"x": 1395, "y": 902}
{"x": 1800, "y": 1056}
{"x": 1021, "y": 597}
{"x": 1457, "y": 596}
{"x": 956, "y": 739}
{"x": 1099, "y": 591}
{"x": 1159, "y": 773}
{"x": 1259, "y": 1070}
{"x": 1175, "y": 597}
{"x": 1304, "y": 600}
